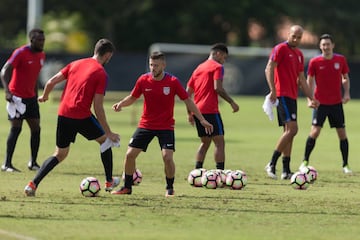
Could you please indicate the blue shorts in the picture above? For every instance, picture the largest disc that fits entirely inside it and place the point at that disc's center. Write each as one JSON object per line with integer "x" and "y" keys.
{"x": 286, "y": 110}
{"x": 142, "y": 138}
{"x": 334, "y": 113}
{"x": 67, "y": 129}
{"x": 215, "y": 120}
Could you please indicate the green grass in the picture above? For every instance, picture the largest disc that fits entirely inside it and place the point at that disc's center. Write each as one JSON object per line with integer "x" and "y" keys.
{"x": 265, "y": 209}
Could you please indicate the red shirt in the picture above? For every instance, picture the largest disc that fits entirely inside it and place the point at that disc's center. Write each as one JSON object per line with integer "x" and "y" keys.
{"x": 290, "y": 62}
{"x": 26, "y": 68}
{"x": 159, "y": 100}
{"x": 203, "y": 81}
{"x": 328, "y": 77}
{"x": 85, "y": 78}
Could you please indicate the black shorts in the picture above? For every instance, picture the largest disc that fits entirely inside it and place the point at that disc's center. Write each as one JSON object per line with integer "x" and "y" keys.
{"x": 286, "y": 110}
{"x": 215, "y": 120}
{"x": 67, "y": 128}
{"x": 335, "y": 114}
{"x": 142, "y": 138}
{"x": 32, "y": 109}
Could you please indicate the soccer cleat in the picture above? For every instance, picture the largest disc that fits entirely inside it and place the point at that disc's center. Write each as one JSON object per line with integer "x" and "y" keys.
{"x": 30, "y": 189}
{"x": 169, "y": 192}
{"x": 122, "y": 191}
{"x": 33, "y": 166}
{"x": 347, "y": 170}
{"x": 286, "y": 175}
{"x": 270, "y": 170}
{"x": 9, "y": 169}
{"x": 109, "y": 186}
{"x": 304, "y": 165}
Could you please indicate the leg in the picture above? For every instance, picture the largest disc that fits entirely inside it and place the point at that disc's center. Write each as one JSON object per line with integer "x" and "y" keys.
{"x": 34, "y": 124}
{"x": 169, "y": 168}
{"x": 219, "y": 151}
{"x": 344, "y": 145}
{"x": 16, "y": 126}
{"x": 201, "y": 153}
{"x": 311, "y": 140}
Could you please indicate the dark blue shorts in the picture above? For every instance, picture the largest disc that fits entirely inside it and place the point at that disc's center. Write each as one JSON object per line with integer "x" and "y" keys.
{"x": 142, "y": 138}
{"x": 286, "y": 110}
{"x": 32, "y": 109}
{"x": 334, "y": 113}
{"x": 215, "y": 120}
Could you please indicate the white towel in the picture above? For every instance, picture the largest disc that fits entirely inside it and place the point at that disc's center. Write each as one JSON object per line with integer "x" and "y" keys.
{"x": 108, "y": 144}
{"x": 268, "y": 107}
{"x": 16, "y": 107}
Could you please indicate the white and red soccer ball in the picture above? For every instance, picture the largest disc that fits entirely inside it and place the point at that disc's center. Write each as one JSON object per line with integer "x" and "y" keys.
{"x": 90, "y": 187}
{"x": 236, "y": 180}
{"x": 137, "y": 177}
{"x": 299, "y": 180}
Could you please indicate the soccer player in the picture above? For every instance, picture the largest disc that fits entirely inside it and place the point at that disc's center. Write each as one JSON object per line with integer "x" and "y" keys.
{"x": 159, "y": 89}
{"x": 19, "y": 77}
{"x": 206, "y": 84}
{"x": 86, "y": 81}
{"x": 284, "y": 72}
{"x": 329, "y": 74}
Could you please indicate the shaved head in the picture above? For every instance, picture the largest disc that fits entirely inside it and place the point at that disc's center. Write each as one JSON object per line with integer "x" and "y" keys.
{"x": 295, "y": 35}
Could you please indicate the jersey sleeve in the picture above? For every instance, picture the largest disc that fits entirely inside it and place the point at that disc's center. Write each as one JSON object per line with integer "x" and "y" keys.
{"x": 137, "y": 90}
{"x": 180, "y": 90}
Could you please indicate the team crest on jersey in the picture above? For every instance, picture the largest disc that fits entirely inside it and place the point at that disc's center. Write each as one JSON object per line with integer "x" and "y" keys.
{"x": 337, "y": 66}
{"x": 166, "y": 90}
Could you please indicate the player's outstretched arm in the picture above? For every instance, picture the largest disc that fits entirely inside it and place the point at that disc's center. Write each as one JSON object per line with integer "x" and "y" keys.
{"x": 49, "y": 86}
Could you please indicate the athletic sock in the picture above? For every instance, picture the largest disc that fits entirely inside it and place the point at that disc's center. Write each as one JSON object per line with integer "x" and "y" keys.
{"x": 107, "y": 160}
{"x": 220, "y": 165}
{"x": 309, "y": 146}
{"x": 199, "y": 164}
{"x": 286, "y": 164}
{"x": 344, "y": 148}
{"x": 275, "y": 157}
{"x": 45, "y": 168}
{"x": 10, "y": 144}
{"x": 169, "y": 183}
{"x": 34, "y": 144}
{"x": 128, "y": 181}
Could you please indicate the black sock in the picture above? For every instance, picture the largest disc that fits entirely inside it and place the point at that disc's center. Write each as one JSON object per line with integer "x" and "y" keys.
{"x": 286, "y": 164}
{"x": 169, "y": 183}
{"x": 344, "y": 148}
{"x": 45, "y": 168}
{"x": 10, "y": 144}
{"x": 274, "y": 158}
{"x": 34, "y": 144}
{"x": 107, "y": 160}
{"x": 128, "y": 181}
{"x": 220, "y": 165}
{"x": 309, "y": 146}
{"x": 198, "y": 164}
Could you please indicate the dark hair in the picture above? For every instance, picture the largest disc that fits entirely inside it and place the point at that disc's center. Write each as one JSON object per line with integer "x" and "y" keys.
{"x": 220, "y": 47}
{"x": 34, "y": 32}
{"x": 157, "y": 55}
{"x": 104, "y": 46}
{"x": 326, "y": 36}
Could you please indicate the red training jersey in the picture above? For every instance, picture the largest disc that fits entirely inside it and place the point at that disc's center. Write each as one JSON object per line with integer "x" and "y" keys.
{"x": 26, "y": 68}
{"x": 290, "y": 62}
{"x": 159, "y": 100}
{"x": 203, "y": 81}
{"x": 328, "y": 77}
{"x": 85, "y": 78}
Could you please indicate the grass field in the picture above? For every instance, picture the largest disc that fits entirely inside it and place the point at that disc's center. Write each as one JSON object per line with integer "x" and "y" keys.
{"x": 265, "y": 209}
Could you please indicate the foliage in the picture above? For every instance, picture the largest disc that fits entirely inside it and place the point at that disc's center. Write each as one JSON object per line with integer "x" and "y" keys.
{"x": 265, "y": 209}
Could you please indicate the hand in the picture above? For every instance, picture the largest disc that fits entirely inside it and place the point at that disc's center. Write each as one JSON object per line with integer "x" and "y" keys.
{"x": 42, "y": 98}
{"x": 234, "y": 106}
{"x": 113, "y": 136}
{"x": 191, "y": 119}
{"x": 117, "y": 107}
{"x": 8, "y": 96}
{"x": 346, "y": 98}
{"x": 314, "y": 103}
{"x": 209, "y": 128}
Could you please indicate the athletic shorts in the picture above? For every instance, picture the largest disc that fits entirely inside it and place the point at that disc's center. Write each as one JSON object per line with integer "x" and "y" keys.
{"x": 142, "y": 138}
{"x": 335, "y": 114}
{"x": 67, "y": 128}
{"x": 286, "y": 110}
{"x": 32, "y": 109}
{"x": 215, "y": 120}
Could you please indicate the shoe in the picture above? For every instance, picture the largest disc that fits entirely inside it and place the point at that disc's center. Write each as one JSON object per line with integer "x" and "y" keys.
{"x": 30, "y": 190}
{"x": 286, "y": 175}
{"x": 304, "y": 166}
{"x": 169, "y": 192}
{"x": 347, "y": 170}
{"x": 33, "y": 166}
{"x": 9, "y": 169}
{"x": 109, "y": 186}
{"x": 270, "y": 170}
{"x": 121, "y": 191}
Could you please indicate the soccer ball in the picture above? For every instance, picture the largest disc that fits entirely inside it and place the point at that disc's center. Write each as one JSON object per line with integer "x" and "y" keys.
{"x": 137, "y": 177}
{"x": 194, "y": 177}
{"x": 299, "y": 180}
{"x": 90, "y": 187}
{"x": 211, "y": 180}
{"x": 222, "y": 176}
{"x": 311, "y": 173}
{"x": 236, "y": 180}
